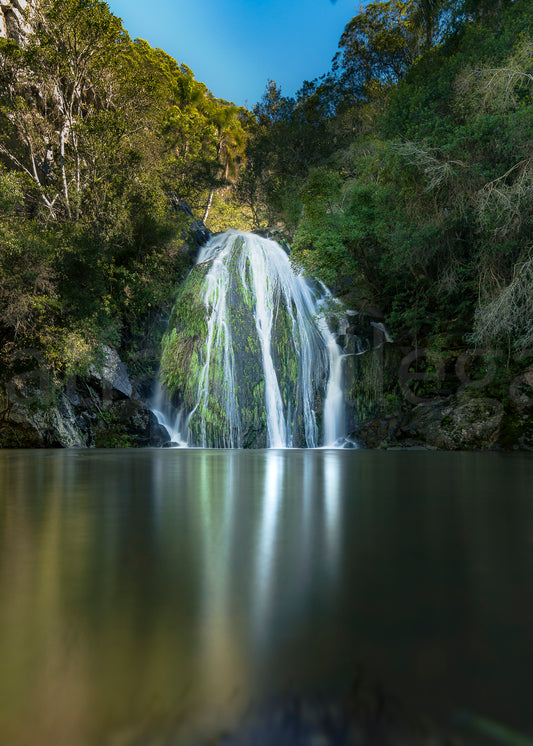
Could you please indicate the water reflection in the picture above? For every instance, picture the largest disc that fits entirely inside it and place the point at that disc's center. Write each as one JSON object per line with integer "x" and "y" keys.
{"x": 267, "y": 541}
{"x": 332, "y": 523}
{"x": 155, "y": 592}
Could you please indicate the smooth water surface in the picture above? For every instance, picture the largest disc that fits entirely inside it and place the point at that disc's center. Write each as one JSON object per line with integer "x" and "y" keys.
{"x": 147, "y": 595}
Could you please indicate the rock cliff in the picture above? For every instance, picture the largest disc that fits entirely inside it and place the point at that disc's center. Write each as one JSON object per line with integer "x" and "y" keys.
{"x": 15, "y": 18}
{"x": 102, "y": 408}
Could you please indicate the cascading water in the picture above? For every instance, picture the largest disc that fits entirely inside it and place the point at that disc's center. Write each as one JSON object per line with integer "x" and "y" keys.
{"x": 249, "y": 354}
{"x": 174, "y": 422}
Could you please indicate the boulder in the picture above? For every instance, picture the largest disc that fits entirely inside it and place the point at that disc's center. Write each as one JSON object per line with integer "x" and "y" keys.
{"x": 30, "y": 421}
{"x": 470, "y": 424}
{"x": 111, "y": 377}
{"x": 137, "y": 423}
{"x": 450, "y": 425}
{"x": 65, "y": 426}
{"x": 101, "y": 409}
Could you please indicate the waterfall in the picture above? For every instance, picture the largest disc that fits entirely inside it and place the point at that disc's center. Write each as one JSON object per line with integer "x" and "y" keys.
{"x": 174, "y": 422}
{"x": 249, "y": 354}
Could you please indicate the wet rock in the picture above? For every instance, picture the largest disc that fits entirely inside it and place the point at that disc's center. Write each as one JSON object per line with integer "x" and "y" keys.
{"x": 180, "y": 205}
{"x": 383, "y": 432}
{"x": 139, "y": 424}
{"x": 281, "y": 237}
{"x": 200, "y": 233}
{"x": 196, "y": 234}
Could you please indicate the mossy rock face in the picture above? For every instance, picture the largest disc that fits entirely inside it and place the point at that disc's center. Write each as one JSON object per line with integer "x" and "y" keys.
{"x": 226, "y": 394}
{"x": 184, "y": 338}
{"x": 376, "y": 388}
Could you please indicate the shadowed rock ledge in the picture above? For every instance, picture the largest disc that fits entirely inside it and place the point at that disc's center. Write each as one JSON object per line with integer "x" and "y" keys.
{"x": 101, "y": 409}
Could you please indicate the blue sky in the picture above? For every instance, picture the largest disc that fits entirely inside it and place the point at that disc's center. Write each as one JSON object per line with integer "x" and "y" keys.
{"x": 235, "y": 46}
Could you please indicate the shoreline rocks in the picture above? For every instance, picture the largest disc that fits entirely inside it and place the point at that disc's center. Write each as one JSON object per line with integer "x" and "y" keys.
{"x": 101, "y": 409}
{"x": 452, "y": 424}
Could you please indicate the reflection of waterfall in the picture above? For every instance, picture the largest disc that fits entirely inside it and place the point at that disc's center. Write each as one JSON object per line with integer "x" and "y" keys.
{"x": 266, "y": 532}
{"x": 332, "y": 500}
{"x": 265, "y": 369}
{"x": 219, "y": 660}
{"x": 305, "y": 493}
{"x": 267, "y": 537}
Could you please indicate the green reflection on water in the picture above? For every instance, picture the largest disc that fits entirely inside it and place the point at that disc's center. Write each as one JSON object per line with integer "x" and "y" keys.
{"x": 158, "y": 592}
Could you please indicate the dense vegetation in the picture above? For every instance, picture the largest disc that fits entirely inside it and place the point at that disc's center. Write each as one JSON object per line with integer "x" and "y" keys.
{"x": 408, "y": 169}
{"x": 97, "y": 134}
{"x": 403, "y": 177}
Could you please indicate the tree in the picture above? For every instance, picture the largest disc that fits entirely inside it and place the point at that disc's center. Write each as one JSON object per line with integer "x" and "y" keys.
{"x": 287, "y": 138}
{"x": 226, "y": 120}
{"x": 377, "y": 47}
{"x": 67, "y": 73}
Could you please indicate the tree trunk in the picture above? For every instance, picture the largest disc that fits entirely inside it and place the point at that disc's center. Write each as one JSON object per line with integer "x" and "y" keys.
{"x": 209, "y": 202}
{"x": 64, "y": 136}
{"x": 212, "y": 190}
{"x": 78, "y": 176}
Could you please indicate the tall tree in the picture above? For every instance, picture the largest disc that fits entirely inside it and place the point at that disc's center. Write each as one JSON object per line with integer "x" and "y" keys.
{"x": 377, "y": 47}
{"x": 226, "y": 121}
{"x": 66, "y": 73}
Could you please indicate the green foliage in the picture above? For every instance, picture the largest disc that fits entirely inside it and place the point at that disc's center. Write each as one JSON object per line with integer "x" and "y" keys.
{"x": 11, "y": 192}
{"x": 109, "y": 432}
{"x": 377, "y": 47}
{"x": 287, "y": 139}
{"x": 182, "y": 344}
{"x": 319, "y": 245}
{"x": 96, "y": 131}
{"x": 506, "y": 317}
{"x": 423, "y": 210}
{"x": 228, "y": 211}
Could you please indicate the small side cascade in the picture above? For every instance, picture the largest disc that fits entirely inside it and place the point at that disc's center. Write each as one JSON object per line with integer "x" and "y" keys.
{"x": 249, "y": 356}
{"x": 172, "y": 420}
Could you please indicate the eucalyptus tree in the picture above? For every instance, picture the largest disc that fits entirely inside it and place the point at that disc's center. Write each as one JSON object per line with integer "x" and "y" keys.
{"x": 60, "y": 82}
{"x": 377, "y": 47}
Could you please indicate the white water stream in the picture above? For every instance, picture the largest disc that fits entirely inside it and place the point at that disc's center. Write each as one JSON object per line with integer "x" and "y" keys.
{"x": 271, "y": 286}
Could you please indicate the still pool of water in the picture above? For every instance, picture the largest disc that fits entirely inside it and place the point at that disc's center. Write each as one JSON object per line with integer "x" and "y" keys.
{"x": 147, "y": 594}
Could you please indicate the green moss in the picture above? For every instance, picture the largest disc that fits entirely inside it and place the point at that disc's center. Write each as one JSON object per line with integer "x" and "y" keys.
{"x": 185, "y": 335}
{"x": 110, "y": 432}
{"x": 184, "y": 359}
{"x": 376, "y": 386}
